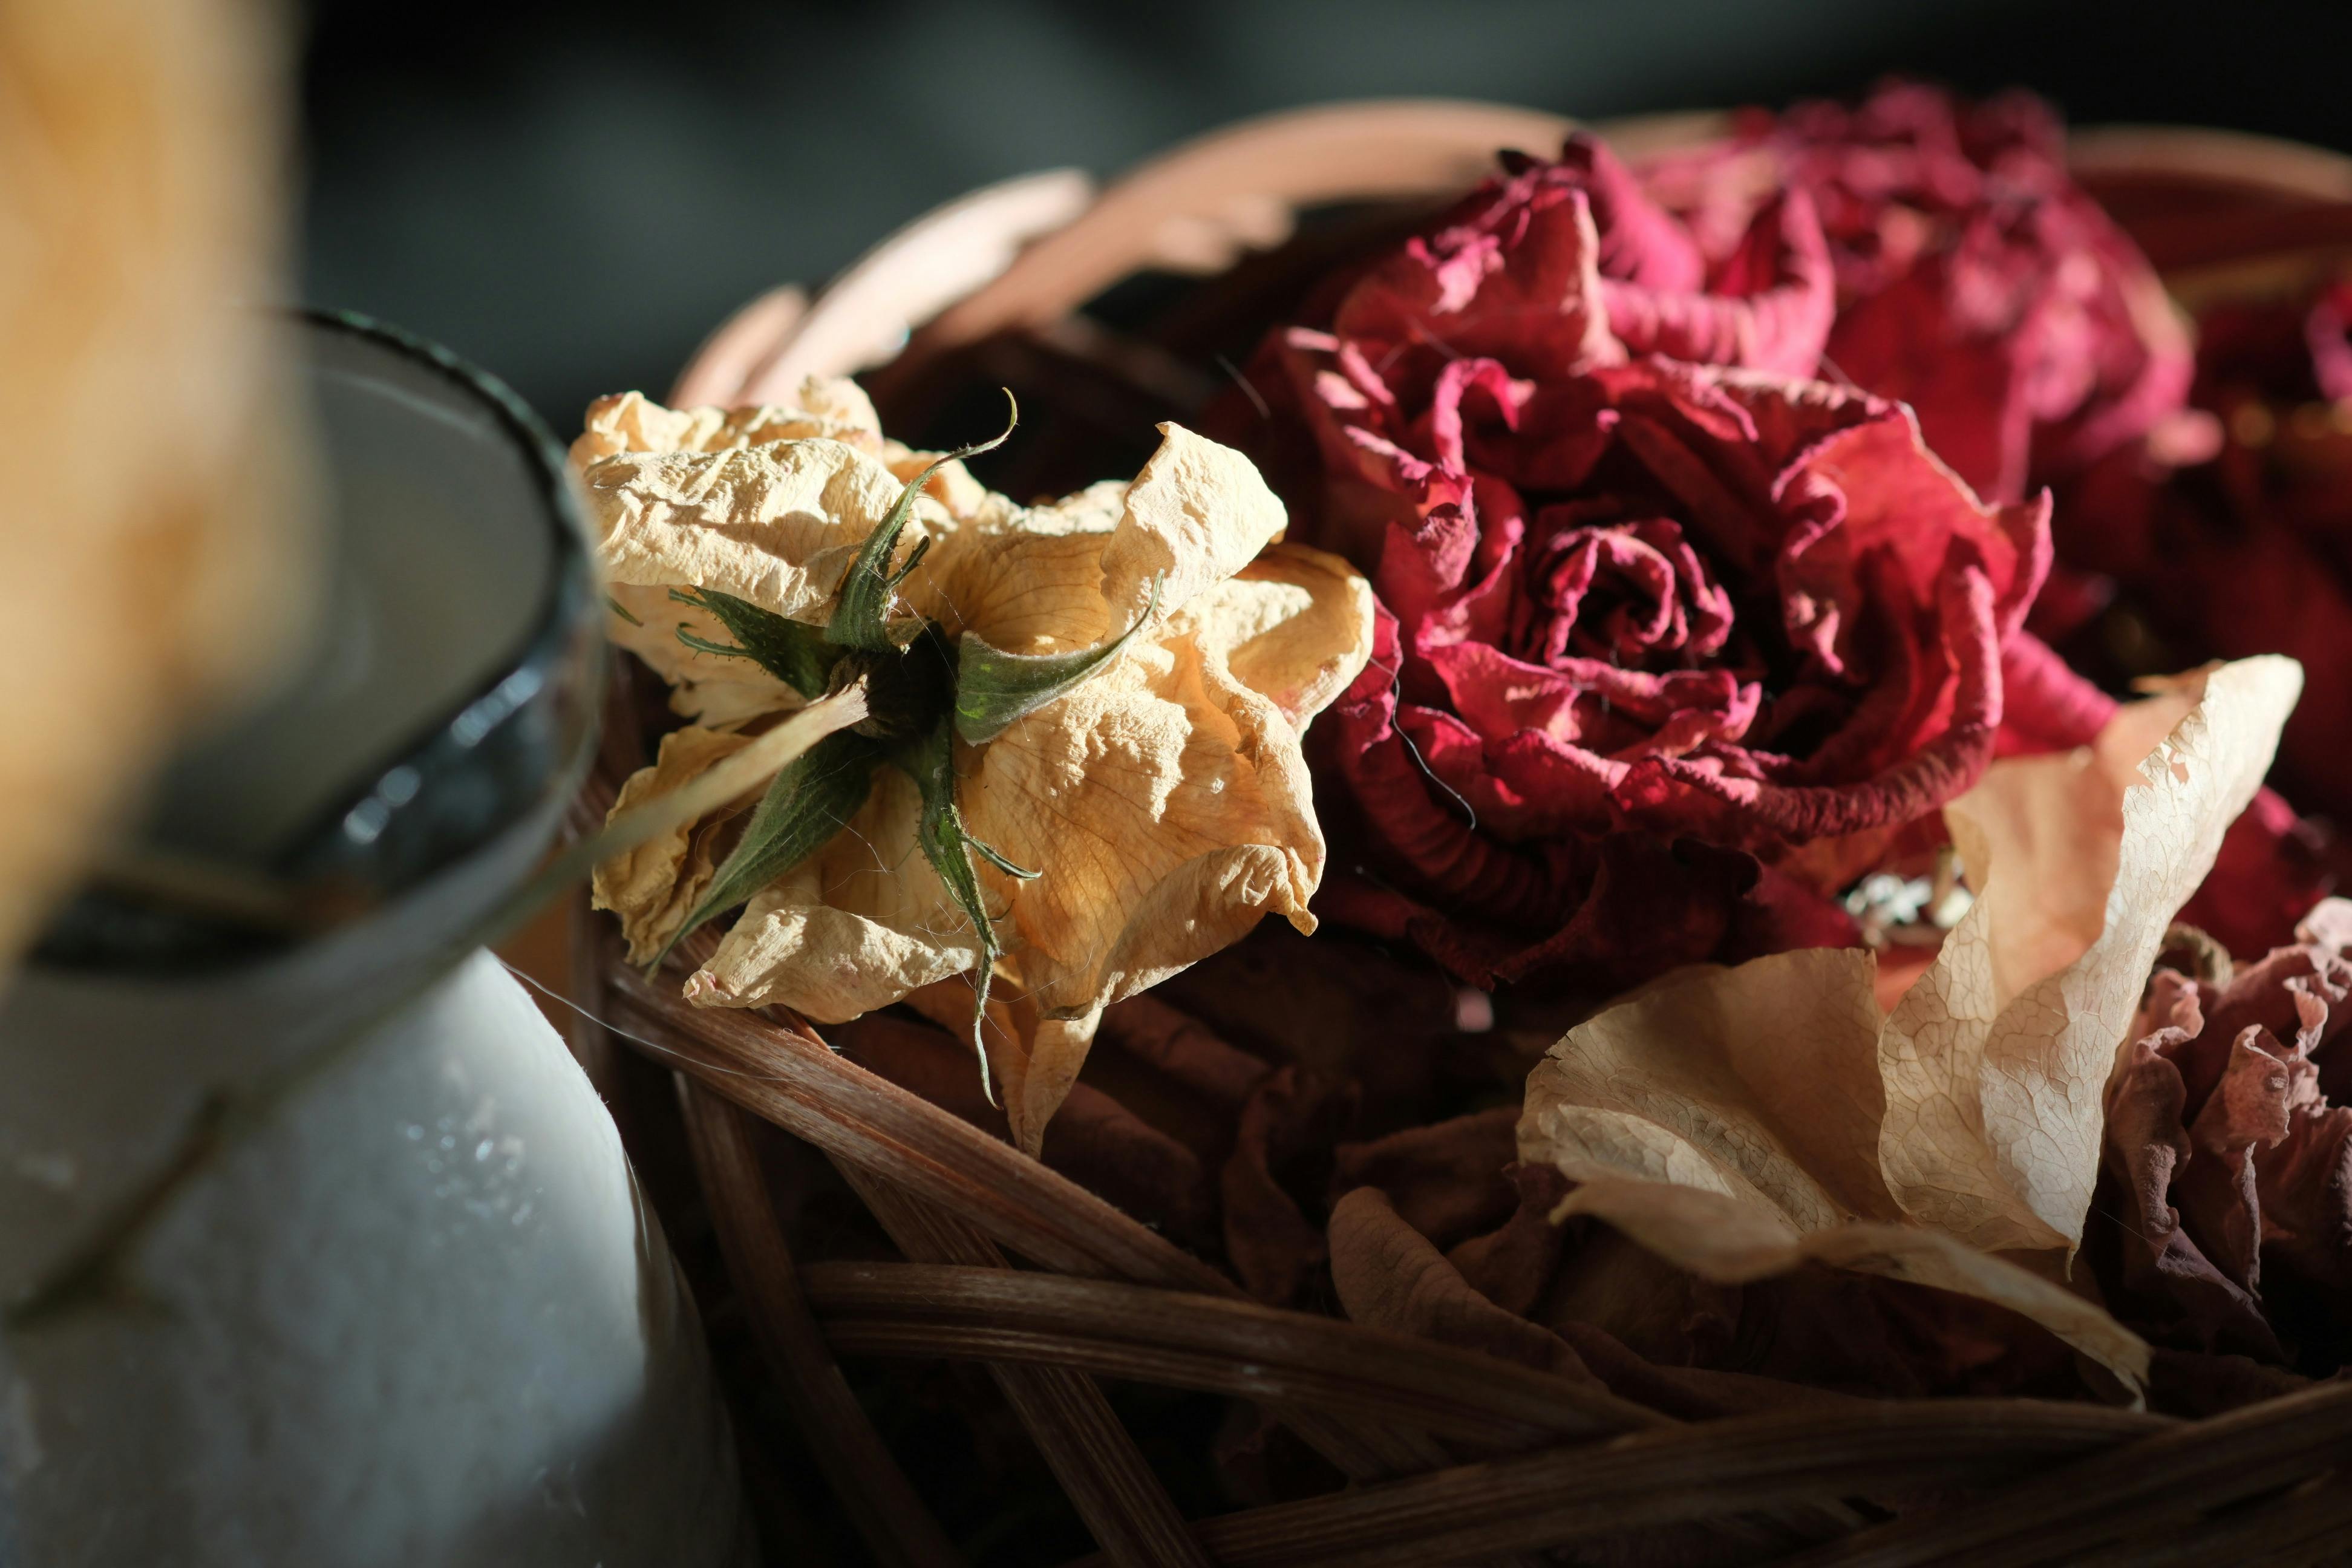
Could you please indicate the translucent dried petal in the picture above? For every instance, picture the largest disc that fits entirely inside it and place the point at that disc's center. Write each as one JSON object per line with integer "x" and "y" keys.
{"x": 1996, "y": 1061}
{"x": 1740, "y": 1122}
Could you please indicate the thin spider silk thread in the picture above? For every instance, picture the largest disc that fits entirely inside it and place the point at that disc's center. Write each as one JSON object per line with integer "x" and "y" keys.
{"x": 637, "y": 1040}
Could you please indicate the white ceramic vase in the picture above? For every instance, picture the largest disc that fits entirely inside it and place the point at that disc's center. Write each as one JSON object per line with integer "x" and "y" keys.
{"x": 323, "y": 1251}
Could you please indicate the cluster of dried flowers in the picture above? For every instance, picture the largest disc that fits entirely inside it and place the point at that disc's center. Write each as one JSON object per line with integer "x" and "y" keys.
{"x": 1706, "y": 593}
{"x": 1704, "y": 513}
{"x": 1077, "y": 768}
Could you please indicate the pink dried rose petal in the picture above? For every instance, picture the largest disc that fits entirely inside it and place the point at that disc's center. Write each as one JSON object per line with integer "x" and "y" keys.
{"x": 1568, "y": 752}
{"x": 1974, "y": 280}
{"x": 2231, "y": 545}
{"x": 2238, "y": 1167}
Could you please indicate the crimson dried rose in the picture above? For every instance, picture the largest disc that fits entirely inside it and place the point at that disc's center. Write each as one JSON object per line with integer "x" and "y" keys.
{"x": 2244, "y": 543}
{"x": 1490, "y": 276}
{"x": 1975, "y": 279}
{"x": 2229, "y": 1155}
{"x": 1648, "y": 625}
{"x": 2227, "y": 532}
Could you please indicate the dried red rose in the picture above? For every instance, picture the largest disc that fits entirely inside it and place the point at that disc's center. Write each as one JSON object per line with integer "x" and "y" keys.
{"x": 2243, "y": 543}
{"x": 1494, "y": 271}
{"x": 2228, "y": 1165}
{"x": 1974, "y": 280}
{"x": 1649, "y": 624}
{"x": 2227, "y": 532}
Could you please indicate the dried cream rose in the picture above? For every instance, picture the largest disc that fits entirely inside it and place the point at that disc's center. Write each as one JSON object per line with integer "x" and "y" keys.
{"x": 1155, "y": 808}
{"x": 1739, "y": 1121}
{"x": 676, "y": 494}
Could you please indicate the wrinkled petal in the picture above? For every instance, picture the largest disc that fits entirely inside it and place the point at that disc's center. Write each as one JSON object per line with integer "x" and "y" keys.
{"x": 1447, "y": 1179}
{"x": 2146, "y": 1145}
{"x": 1740, "y": 1122}
{"x": 1162, "y": 801}
{"x": 1775, "y": 317}
{"x": 1165, "y": 806}
{"x": 1291, "y": 1116}
{"x": 653, "y": 886}
{"x": 1716, "y": 1238}
{"x": 1389, "y": 1277}
{"x": 855, "y": 927}
{"x": 1996, "y": 1060}
{"x": 2238, "y": 1167}
{"x": 1974, "y": 280}
{"x": 833, "y": 407}
{"x": 777, "y": 525}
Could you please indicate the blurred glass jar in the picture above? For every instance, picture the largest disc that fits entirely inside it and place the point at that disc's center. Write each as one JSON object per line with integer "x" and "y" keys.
{"x": 316, "y": 1245}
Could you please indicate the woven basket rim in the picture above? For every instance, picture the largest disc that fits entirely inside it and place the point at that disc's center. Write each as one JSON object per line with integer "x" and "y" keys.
{"x": 957, "y": 271}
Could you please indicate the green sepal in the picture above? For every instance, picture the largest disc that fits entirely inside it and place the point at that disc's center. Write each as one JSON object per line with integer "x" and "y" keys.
{"x": 1000, "y": 862}
{"x": 792, "y": 652}
{"x": 810, "y": 801}
{"x": 995, "y": 688}
{"x": 930, "y": 760}
{"x": 861, "y": 615}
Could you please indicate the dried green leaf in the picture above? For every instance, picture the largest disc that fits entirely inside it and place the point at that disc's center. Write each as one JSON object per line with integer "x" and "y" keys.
{"x": 805, "y": 806}
{"x": 995, "y": 688}
{"x": 861, "y": 613}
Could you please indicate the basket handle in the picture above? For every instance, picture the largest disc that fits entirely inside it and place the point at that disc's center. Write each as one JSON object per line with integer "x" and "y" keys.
{"x": 964, "y": 269}
{"x": 763, "y": 353}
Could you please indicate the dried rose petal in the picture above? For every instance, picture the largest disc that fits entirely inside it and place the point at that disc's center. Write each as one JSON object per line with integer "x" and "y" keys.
{"x": 1974, "y": 280}
{"x": 1569, "y": 747}
{"x": 1161, "y": 803}
{"x": 2236, "y": 1165}
{"x": 2235, "y": 545}
{"x": 1740, "y": 1122}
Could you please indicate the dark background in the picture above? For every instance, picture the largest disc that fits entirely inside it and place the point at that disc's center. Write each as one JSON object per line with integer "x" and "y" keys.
{"x": 573, "y": 192}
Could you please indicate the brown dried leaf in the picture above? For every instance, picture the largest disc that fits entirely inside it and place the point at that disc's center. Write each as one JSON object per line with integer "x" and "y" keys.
{"x": 1718, "y": 1237}
{"x": 1388, "y": 1275}
{"x": 1740, "y": 1122}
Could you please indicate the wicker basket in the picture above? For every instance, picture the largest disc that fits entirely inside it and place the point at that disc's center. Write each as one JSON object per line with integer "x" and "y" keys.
{"x": 1449, "y": 1455}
